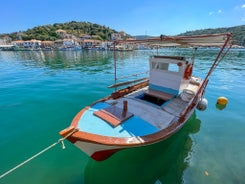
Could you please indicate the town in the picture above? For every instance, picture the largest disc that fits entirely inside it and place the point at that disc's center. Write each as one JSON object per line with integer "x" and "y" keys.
{"x": 67, "y": 42}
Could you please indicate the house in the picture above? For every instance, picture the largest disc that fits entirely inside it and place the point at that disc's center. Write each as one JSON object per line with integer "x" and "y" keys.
{"x": 61, "y": 32}
{"x": 89, "y": 43}
{"x": 85, "y": 36}
{"x": 69, "y": 42}
{"x": 66, "y": 44}
{"x": 58, "y": 43}
{"x": 28, "y": 44}
{"x": 47, "y": 45}
{"x": 119, "y": 36}
{"x": 5, "y": 40}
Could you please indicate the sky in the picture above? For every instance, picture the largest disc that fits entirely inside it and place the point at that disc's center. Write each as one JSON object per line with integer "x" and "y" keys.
{"x": 135, "y": 17}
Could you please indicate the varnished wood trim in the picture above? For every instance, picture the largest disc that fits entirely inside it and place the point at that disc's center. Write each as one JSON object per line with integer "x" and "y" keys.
{"x": 127, "y": 142}
{"x": 76, "y": 119}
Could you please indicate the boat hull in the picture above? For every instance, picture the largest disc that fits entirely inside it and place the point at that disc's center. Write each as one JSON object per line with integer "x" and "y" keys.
{"x": 101, "y": 148}
{"x": 97, "y": 152}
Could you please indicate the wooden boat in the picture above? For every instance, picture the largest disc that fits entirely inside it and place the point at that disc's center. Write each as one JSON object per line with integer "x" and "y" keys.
{"x": 151, "y": 110}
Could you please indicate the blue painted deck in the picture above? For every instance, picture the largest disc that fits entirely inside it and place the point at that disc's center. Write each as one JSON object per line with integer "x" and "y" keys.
{"x": 134, "y": 126}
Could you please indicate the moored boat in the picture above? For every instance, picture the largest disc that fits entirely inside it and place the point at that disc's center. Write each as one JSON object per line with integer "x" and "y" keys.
{"x": 150, "y": 110}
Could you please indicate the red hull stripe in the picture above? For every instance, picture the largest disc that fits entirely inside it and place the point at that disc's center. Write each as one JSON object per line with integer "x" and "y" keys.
{"x": 102, "y": 155}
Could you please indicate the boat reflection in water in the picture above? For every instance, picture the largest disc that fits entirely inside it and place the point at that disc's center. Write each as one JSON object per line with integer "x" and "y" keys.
{"x": 163, "y": 162}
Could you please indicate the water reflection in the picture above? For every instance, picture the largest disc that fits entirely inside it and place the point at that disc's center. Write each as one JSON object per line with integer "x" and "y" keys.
{"x": 76, "y": 60}
{"x": 63, "y": 60}
{"x": 163, "y": 162}
{"x": 79, "y": 59}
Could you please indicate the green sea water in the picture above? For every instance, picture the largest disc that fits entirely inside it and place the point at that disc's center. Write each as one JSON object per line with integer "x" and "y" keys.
{"x": 40, "y": 93}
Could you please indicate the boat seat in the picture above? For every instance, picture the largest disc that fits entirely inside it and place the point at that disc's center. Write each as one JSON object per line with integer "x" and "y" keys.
{"x": 159, "y": 94}
{"x": 113, "y": 115}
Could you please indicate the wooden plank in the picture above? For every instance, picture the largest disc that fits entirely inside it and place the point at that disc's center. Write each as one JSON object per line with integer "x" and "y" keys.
{"x": 125, "y": 91}
{"x": 176, "y": 106}
{"x": 113, "y": 115}
{"x": 126, "y": 83}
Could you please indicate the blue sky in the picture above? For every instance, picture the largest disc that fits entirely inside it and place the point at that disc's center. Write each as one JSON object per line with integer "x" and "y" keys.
{"x": 135, "y": 17}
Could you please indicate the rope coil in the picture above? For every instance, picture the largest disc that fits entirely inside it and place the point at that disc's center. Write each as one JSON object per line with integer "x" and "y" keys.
{"x": 39, "y": 153}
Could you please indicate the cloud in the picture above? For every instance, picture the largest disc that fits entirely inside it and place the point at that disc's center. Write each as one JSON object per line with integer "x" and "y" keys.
{"x": 243, "y": 6}
{"x": 215, "y": 12}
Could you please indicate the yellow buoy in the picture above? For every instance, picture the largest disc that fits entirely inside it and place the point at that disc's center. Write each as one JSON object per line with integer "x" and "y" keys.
{"x": 222, "y": 100}
{"x": 220, "y": 107}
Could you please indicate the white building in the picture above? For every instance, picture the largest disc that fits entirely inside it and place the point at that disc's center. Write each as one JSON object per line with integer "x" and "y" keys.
{"x": 29, "y": 44}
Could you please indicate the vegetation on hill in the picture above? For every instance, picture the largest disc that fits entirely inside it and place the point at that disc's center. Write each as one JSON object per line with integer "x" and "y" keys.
{"x": 48, "y": 32}
{"x": 238, "y": 33}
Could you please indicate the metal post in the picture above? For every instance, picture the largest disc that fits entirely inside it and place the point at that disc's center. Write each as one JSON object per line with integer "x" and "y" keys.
{"x": 115, "y": 63}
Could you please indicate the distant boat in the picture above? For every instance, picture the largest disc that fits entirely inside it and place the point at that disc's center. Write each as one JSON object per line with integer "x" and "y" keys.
{"x": 70, "y": 48}
{"x": 151, "y": 110}
{"x": 7, "y": 47}
{"x": 124, "y": 48}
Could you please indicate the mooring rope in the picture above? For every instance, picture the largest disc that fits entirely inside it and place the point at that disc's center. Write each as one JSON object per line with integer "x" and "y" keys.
{"x": 39, "y": 153}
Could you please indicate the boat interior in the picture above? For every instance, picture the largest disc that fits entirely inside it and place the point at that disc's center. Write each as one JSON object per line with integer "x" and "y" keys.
{"x": 151, "y": 108}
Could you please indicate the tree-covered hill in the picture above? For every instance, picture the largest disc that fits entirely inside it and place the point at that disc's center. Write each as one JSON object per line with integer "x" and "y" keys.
{"x": 48, "y": 32}
{"x": 238, "y": 33}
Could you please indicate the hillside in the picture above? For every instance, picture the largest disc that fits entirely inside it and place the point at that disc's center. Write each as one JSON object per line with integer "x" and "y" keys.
{"x": 48, "y": 32}
{"x": 238, "y": 33}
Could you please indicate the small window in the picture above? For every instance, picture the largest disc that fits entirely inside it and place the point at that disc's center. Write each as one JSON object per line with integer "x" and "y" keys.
{"x": 163, "y": 66}
{"x": 159, "y": 66}
{"x": 173, "y": 68}
{"x": 154, "y": 65}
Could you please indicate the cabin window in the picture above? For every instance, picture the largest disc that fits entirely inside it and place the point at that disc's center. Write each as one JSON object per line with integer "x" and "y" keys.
{"x": 173, "y": 68}
{"x": 154, "y": 65}
{"x": 159, "y": 66}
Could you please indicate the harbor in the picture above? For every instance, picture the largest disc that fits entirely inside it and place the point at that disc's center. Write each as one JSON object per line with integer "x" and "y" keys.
{"x": 38, "y": 99}
{"x": 67, "y": 42}
{"x": 71, "y": 42}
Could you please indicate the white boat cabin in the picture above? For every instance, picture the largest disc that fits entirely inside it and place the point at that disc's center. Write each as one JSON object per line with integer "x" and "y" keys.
{"x": 169, "y": 76}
